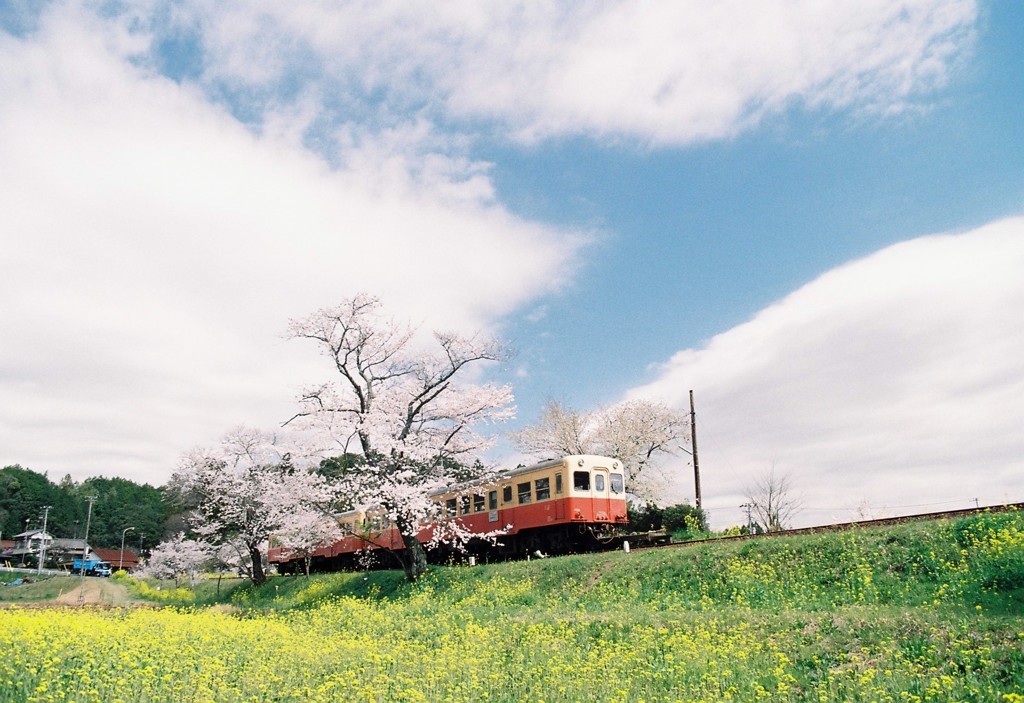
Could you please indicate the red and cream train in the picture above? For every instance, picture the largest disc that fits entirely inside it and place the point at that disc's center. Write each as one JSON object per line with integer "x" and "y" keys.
{"x": 559, "y": 506}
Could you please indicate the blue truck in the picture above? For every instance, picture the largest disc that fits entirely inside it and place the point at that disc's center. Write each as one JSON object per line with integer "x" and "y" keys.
{"x": 92, "y": 567}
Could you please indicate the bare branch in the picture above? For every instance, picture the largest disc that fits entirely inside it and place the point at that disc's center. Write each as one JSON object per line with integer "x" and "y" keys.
{"x": 407, "y": 407}
{"x": 773, "y": 501}
{"x": 636, "y": 432}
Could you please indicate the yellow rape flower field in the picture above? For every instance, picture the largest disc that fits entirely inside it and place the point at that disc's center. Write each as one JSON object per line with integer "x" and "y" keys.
{"x": 928, "y": 612}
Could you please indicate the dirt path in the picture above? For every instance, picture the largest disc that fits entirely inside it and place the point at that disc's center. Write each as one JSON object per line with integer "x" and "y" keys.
{"x": 94, "y": 591}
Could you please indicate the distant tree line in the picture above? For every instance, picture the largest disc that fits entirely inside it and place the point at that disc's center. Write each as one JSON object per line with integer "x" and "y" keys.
{"x": 120, "y": 504}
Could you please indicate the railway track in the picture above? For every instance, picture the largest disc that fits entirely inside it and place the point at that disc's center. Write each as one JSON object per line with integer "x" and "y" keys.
{"x": 840, "y": 526}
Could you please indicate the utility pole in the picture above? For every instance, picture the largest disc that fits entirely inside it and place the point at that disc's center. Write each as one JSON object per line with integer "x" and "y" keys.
{"x": 85, "y": 551}
{"x": 693, "y": 444}
{"x": 42, "y": 540}
{"x": 120, "y": 563}
{"x": 750, "y": 525}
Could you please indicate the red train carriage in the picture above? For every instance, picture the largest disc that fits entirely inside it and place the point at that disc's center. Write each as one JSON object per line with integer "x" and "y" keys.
{"x": 558, "y": 506}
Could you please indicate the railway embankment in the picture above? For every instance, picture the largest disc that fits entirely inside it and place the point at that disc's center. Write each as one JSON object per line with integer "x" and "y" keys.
{"x": 923, "y": 611}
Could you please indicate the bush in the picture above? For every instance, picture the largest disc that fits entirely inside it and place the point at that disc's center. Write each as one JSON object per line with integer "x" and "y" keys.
{"x": 645, "y": 518}
{"x": 682, "y": 520}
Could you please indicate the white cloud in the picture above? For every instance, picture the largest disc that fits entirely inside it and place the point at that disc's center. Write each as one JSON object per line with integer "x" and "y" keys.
{"x": 154, "y": 250}
{"x": 662, "y": 72}
{"x": 894, "y": 380}
{"x": 154, "y": 247}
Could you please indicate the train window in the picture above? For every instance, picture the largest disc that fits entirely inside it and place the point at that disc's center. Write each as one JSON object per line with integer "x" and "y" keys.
{"x": 478, "y": 504}
{"x": 558, "y": 484}
{"x": 464, "y": 507}
{"x": 581, "y": 480}
{"x": 543, "y": 488}
{"x": 449, "y": 507}
{"x": 492, "y": 500}
{"x": 599, "y": 482}
{"x": 506, "y": 494}
{"x": 616, "y": 483}
{"x": 523, "y": 489}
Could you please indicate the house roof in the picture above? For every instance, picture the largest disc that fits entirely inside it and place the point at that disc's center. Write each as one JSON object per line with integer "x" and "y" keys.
{"x": 113, "y": 556}
{"x": 65, "y": 543}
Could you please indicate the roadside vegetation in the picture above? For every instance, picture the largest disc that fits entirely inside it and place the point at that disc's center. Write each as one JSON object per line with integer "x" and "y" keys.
{"x": 920, "y": 612}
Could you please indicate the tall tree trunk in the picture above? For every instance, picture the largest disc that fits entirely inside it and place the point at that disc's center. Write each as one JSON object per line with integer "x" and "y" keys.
{"x": 415, "y": 558}
{"x": 259, "y": 576}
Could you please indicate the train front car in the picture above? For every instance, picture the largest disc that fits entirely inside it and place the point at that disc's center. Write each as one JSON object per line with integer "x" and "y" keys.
{"x": 575, "y": 503}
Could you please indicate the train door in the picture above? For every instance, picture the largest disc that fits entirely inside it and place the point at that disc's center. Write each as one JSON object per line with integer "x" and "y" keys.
{"x": 559, "y": 497}
{"x": 590, "y": 491}
{"x": 601, "y": 493}
{"x": 492, "y": 507}
{"x": 506, "y": 511}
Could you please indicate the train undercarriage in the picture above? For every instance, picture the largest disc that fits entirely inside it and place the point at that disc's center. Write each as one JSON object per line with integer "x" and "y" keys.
{"x": 557, "y": 540}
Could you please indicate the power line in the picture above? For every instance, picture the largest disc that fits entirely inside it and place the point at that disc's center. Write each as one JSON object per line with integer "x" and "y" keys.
{"x": 895, "y": 507}
{"x": 873, "y": 507}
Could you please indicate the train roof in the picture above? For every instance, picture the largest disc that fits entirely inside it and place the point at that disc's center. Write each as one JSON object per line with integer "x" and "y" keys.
{"x": 565, "y": 461}
{"x": 560, "y": 461}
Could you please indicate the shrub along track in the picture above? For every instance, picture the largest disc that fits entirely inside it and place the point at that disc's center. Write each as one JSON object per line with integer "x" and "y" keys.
{"x": 862, "y": 524}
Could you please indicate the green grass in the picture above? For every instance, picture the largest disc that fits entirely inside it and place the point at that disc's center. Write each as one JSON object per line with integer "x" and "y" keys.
{"x": 44, "y": 589}
{"x": 920, "y": 612}
{"x": 964, "y": 563}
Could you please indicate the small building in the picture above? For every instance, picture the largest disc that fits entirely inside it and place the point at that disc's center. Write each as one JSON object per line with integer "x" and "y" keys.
{"x": 60, "y": 552}
{"x": 64, "y": 551}
{"x": 6, "y": 547}
{"x": 27, "y": 546}
{"x": 32, "y": 540}
{"x": 128, "y": 560}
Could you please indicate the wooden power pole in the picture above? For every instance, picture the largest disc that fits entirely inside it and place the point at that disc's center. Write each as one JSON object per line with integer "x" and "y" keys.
{"x": 693, "y": 445}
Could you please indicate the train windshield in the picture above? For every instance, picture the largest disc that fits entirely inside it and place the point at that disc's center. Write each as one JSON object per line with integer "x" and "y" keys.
{"x": 581, "y": 480}
{"x": 616, "y": 481}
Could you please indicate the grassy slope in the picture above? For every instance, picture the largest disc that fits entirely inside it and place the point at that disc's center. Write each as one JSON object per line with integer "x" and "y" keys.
{"x": 922, "y": 612}
{"x": 959, "y": 564}
{"x": 925, "y": 611}
{"x": 39, "y": 590}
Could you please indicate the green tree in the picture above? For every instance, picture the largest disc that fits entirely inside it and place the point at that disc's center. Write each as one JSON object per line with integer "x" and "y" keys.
{"x": 120, "y": 504}
{"x": 23, "y": 494}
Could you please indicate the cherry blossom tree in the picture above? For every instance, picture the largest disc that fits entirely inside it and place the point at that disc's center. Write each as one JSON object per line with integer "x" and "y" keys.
{"x": 404, "y": 406}
{"x": 310, "y": 531}
{"x": 635, "y": 432}
{"x": 246, "y": 489}
{"x": 177, "y": 557}
{"x": 560, "y": 431}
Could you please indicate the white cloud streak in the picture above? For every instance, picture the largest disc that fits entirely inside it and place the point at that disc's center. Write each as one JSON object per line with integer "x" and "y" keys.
{"x": 658, "y": 72}
{"x": 895, "y": 380}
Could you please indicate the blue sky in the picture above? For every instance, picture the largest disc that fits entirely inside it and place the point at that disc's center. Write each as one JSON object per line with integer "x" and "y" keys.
{"x": 811, "y": 214}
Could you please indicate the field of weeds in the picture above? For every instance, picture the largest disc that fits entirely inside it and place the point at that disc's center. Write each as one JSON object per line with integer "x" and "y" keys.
{"x": 923, "y": 612}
